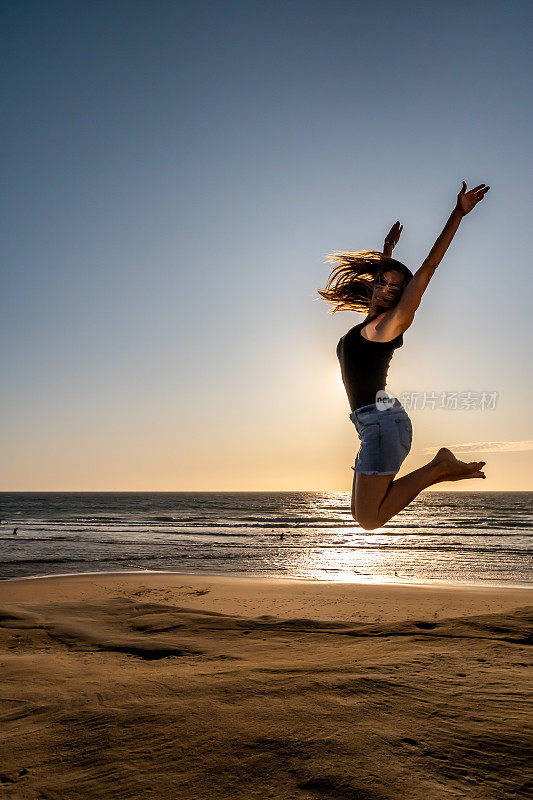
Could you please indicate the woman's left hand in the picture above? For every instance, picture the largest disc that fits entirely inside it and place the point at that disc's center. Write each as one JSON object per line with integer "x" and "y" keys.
{"x": 467, "y": 200}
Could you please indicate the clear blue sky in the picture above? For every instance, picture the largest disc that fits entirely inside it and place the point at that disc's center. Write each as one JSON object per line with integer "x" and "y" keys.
{"x": 174, "y": 175}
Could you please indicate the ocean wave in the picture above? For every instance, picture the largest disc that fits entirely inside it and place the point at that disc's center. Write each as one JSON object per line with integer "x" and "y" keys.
{"x": 438, "y": 535}
{"x": 304, "y": 546}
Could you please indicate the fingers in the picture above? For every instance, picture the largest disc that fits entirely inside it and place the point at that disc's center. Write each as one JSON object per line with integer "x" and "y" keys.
{"x": 480, "y": 195}
{"x": 395, "y": 231}
{"x": 481, "y": 189}
{"x": 475, "y": 189}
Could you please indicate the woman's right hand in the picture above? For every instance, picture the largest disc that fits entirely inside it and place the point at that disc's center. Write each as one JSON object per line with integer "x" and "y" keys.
{"x": 394, "y": 234}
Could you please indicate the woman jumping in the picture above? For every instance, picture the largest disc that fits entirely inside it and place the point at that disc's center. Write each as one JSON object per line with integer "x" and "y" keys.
{"x": 387, "y": 291}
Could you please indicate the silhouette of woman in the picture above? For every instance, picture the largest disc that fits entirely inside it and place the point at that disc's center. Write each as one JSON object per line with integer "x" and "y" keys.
{"x": 386, "y": 290}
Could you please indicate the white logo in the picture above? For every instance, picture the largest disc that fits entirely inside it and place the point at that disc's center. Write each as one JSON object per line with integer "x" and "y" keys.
{"x": 384, "y": 400}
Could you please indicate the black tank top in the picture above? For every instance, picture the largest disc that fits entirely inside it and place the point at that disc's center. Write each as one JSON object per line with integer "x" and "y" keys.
{"x": 364, "y": 365}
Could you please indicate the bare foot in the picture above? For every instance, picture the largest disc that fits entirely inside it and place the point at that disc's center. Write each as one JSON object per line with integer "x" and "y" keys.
{"x": 451, "y": 469}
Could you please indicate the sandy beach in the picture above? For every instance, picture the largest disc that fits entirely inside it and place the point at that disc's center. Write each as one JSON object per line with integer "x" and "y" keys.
{"x": 178, "y": 686}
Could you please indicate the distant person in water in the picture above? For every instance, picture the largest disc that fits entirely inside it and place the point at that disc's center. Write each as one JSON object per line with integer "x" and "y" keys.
{"x": 15, "y": 531}
{"x": 389, "y": 294}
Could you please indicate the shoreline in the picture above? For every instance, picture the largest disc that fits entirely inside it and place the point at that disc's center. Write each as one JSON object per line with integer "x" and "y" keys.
{"x": 280, "y": 597}
{"x": 437, "y": 583}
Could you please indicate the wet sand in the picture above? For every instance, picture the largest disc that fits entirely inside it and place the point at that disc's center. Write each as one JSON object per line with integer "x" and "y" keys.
{"x": 179, "y": 686}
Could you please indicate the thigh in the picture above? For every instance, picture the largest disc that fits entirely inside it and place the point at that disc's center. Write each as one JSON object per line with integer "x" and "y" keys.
{"x": 367, "y": 493}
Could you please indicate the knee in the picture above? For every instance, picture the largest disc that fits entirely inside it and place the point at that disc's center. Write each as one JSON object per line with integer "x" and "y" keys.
{"x": 366, "y": 523}
{"x": 370, "y": 526}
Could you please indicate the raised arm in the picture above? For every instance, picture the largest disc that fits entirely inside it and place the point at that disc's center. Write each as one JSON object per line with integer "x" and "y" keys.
{"x": 408, "y": 303}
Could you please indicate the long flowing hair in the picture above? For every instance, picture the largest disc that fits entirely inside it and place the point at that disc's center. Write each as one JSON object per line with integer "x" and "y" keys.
{"x": 351, "y": 283}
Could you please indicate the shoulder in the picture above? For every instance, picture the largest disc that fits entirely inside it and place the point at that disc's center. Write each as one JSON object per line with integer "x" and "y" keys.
{"x": 385, "y": 328}
{"x": 351, "y": 332}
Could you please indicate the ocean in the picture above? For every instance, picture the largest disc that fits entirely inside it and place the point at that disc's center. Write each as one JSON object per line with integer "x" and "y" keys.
{"x": 441, "y": 537}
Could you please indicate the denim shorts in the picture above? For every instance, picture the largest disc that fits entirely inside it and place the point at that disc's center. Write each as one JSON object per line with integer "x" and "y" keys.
{"x": 386, "y": 437}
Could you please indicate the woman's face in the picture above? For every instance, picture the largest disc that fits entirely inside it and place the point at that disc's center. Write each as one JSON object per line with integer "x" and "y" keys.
{"x": 388, "y": 288}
